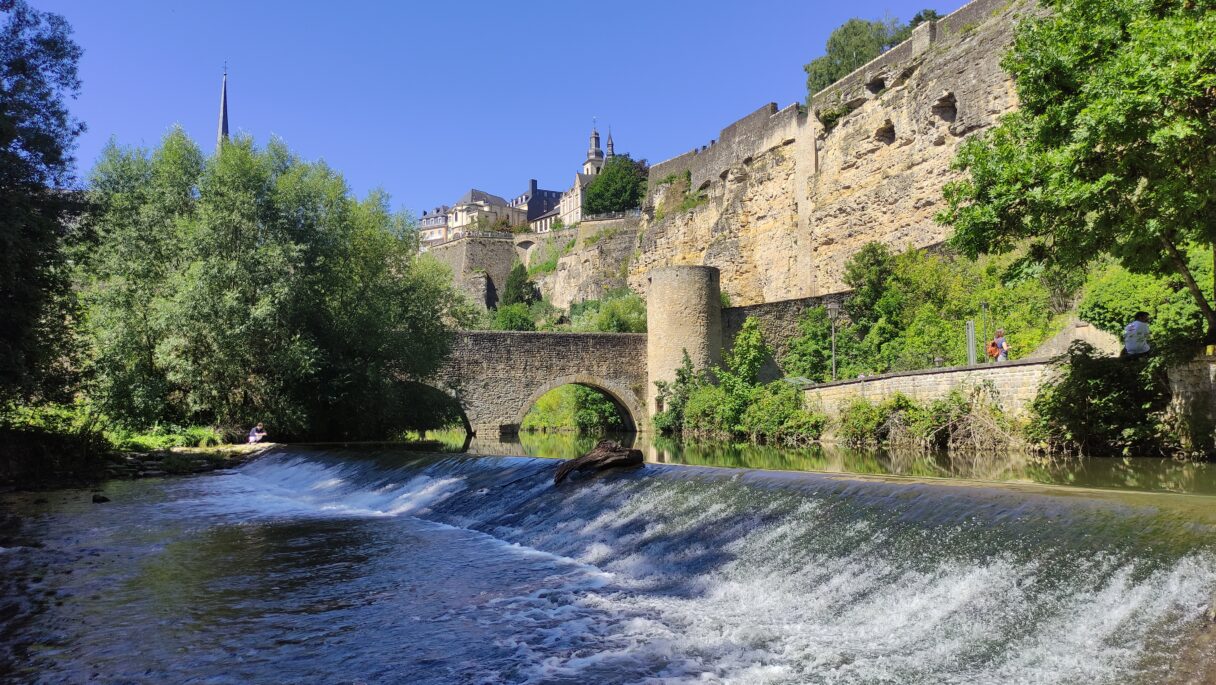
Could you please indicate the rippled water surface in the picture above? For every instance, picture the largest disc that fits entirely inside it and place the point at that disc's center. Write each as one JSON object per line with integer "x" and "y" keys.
{"x": 380, "y": 566}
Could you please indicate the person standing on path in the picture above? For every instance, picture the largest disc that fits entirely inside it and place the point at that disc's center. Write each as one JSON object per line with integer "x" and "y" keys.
{"x": 1002, "y": 345}
{"x": 1135, "y": 337}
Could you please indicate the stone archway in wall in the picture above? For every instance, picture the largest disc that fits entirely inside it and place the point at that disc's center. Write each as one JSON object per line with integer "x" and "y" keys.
{"x": 465, "y": 419}
{"x": 524, "y": 249}
{"x": 627, "y": 403}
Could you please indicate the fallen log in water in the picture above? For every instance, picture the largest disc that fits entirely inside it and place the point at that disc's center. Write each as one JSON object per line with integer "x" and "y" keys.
{"x": 606, "y": 455}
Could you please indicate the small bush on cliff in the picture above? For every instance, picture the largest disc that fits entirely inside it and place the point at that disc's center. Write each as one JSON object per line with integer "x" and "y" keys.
{"x": 514, "y": 317}
{"x": 620, "y": 311}
{"x": 518, "y": 288}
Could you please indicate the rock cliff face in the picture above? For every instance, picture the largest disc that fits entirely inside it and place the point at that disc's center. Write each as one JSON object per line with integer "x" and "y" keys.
{"x": 881, "y": 168}
{"x": 597, "y": 264}
{"x": 783, "y": 198}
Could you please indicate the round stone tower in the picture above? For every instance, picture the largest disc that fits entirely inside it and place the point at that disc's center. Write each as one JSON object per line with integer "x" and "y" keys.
{"x": 683, "y": 312}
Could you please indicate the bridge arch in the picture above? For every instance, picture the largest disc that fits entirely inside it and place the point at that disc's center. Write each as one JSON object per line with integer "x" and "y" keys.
{"x": 626, "y": 401}
{"x": 525, "y": 248}
{"x": 466, "y": 419}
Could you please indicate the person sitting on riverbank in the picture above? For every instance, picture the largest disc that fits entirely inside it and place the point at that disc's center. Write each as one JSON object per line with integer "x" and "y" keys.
{"x": 257, "y": 434}
{"x": 1135, "y": 337}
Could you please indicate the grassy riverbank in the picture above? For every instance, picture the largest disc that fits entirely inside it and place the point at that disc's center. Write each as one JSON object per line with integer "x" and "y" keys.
{"x": 57, "y": 444}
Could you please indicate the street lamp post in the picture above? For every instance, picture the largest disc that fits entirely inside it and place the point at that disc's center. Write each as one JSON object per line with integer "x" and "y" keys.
{"x": 833, "y": 312}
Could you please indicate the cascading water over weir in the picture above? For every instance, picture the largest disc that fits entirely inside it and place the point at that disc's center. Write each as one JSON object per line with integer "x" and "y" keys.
{"x": 340, "y": 566}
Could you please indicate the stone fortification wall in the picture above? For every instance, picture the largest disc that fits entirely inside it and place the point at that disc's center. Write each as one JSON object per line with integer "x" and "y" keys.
{"x": 783, "y": 198}
{"x": 598, "y": 264}
{"x": 480, "y": 265}
{"x": 762, "y": 129}
{"x": 497, "y": 376}
{"x": 1015, "y": 385}
{"x": 745, "y": 222}
{"x": 778, "y": 323}
{"x": 881, "y": 166}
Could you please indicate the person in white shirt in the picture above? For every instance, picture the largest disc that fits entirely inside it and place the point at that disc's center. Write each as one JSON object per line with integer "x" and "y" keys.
{"x": 1135, "y": 336}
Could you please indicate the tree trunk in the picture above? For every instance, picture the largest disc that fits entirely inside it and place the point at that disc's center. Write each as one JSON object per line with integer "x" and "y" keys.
{"x": 1200, "y": 298}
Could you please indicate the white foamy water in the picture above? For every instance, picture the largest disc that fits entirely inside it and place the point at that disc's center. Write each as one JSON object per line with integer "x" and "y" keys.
{"x": 677, "y": 575}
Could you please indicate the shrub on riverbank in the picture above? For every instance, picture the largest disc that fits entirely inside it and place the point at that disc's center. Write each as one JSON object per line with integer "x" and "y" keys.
{"x": 1102, "y": 405}
{"x": 730, "y": 401}
{"x": 93, "y": 435}
{"x": 53, "y": 443}
{"x": 964, "y": 420}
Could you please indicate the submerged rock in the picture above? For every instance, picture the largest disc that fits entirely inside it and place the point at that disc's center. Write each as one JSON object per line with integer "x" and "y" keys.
{"x": 98, "y": 499}
{"x": 606, "y": 455}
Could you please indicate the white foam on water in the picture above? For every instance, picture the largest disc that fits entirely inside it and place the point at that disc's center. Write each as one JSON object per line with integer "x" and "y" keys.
{"x": 795, "y": 595}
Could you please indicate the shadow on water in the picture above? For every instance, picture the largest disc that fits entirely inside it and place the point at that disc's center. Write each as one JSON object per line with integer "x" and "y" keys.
{"x": 1151, "y": 474}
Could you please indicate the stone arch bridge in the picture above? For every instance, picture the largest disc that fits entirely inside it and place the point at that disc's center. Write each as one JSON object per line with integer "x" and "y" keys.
{"x": 496, "y": 376}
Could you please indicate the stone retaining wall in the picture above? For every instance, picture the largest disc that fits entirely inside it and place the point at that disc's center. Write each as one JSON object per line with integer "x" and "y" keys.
{"x": 1193, "y": 401}
{"x": 1015, "y": 385}
{"x": 778, "y": 323}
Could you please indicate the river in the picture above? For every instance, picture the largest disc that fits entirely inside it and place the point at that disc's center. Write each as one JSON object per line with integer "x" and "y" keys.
{"x": 380, "y": 565}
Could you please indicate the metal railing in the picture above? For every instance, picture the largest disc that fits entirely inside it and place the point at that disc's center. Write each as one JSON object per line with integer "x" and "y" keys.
{"x": 613, "y": 215}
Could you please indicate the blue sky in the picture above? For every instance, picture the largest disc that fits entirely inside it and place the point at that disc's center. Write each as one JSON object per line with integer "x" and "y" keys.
{"x": 426, "y": 100}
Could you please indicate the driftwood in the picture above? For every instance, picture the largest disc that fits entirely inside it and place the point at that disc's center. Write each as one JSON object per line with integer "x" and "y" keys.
{"x": 606, "y": 455}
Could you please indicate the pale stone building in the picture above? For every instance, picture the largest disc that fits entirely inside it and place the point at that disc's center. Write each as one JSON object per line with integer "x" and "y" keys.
{"x": 479, "y": 210}
{"x": 433, "y": 226}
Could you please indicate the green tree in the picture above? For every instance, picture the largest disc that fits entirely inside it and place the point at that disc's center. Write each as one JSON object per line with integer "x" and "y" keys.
{"x": 141, "y": 204}
{"x": 518, "y": 288}
{"x": 810, "y": 352}
{"x": 37, "y": 74}
{"x": 851, "y": 45}
{"x": 1110, "y": 149}
{"x": 867, "y": 273}
{"x": 253, "y": 286}
{"x": 620, "y": 186}
{"x": 514, "y": 317}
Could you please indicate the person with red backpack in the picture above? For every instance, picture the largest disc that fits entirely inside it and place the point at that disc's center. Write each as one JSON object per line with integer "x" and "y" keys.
{"x": 998, "y": 347}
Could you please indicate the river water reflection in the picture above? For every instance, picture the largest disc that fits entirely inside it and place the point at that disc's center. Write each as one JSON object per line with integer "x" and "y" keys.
{"x": 1124, "y": 473}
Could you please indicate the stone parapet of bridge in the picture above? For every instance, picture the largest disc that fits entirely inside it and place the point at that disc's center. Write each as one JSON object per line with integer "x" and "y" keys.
{"x": 496, "y": 376}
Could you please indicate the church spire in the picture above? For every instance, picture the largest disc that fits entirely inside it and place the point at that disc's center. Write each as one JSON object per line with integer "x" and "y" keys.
{"x": 610, "y": 151}
{"x": 594, "y": 151}
{"x": 223, "y": 132}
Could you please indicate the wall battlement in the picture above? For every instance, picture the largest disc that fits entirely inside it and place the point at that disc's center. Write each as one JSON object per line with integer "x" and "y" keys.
{"x": 781, "y": 201}
{"x": 894, "y": 65}
{"x": 764, "y": 128}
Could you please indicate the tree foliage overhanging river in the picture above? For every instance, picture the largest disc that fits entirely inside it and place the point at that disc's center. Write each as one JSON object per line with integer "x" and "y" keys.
{"x": 385, "y": 566}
